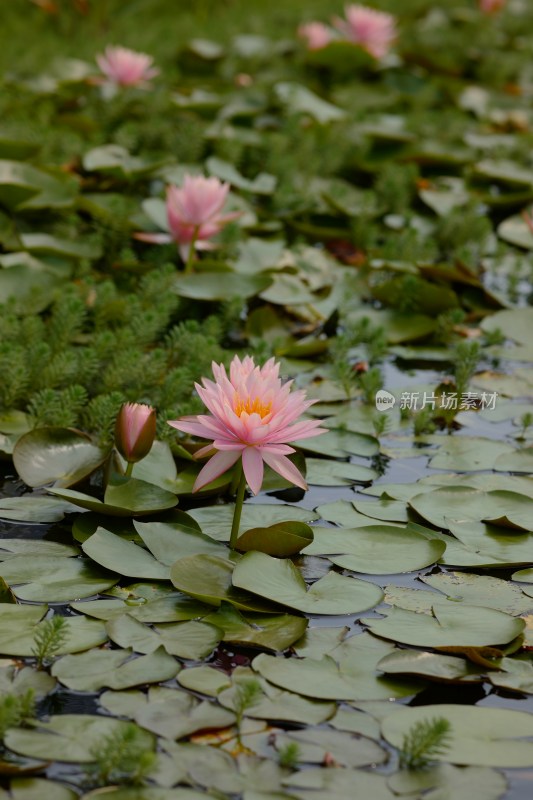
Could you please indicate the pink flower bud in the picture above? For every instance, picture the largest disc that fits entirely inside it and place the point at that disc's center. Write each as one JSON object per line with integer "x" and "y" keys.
{"x": 135, "y": 431}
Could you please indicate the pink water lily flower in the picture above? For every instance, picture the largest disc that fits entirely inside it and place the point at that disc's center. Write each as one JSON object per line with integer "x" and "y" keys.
{"x": 194, "y": 214}
{"x": 316, "y": 34}
{"x": 123, "y": 67}
{"x": 491, "y": 6}
{"x": 374, "y": 31}
{"x": 252, "y": 416}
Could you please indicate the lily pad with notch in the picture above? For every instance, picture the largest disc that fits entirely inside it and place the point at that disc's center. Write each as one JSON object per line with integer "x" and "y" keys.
{"x": 56, "y": 455}
{"x": 209, "y": 579}
{"x": 114, "y": 669}
{"x": 279, "y": 580}
{"x": 124, "y": 497}
{"x": 282, "y": 539}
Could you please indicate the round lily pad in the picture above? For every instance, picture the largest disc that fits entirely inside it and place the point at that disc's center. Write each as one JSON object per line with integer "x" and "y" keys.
{"x": 60, "y": 455}
{"x": 495, "y": 737}
{"x": 280, "y": 581}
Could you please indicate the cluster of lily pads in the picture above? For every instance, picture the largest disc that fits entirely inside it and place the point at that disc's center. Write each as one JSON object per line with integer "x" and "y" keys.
{"x": 368, "y": 224}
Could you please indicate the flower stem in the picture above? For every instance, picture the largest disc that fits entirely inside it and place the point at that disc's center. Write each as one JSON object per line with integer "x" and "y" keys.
{"x": 192, "y": 254}
{"x": 238, "y": 511}
{"x": 129, "y": 469}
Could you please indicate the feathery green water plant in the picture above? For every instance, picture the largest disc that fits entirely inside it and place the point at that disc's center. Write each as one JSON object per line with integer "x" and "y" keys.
{"x": 424, "y": 740}
{"x": 15, "y": 709}
{"x": 49, "y": 637}
{"x": 121, "y": 758}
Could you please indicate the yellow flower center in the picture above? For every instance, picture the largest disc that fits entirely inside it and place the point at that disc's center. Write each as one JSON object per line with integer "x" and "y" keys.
{"x": 251, "y": 405}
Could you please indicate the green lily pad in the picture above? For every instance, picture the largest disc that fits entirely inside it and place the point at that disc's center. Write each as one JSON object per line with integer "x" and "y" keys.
{"x": 175, "y": 714}
{"x": 124, "y": 557}
{"x": 125, "y": 497}
{"x": 35, "y": 509}
{"x": 39, "y": 547}
{"x": 498, "y": 545}
{"x": 315, "y": 746}
{"x": 27, "y": 282}
{"x": 19, "y": 624}
{"x": 49, "y": 579}
{"x": 115, "y": 669}
{"x": 262, "y": 184}
{"x": 376, "y": 549}
{"x": 273, "y": 703}
{"x": 457, "y": 503}
{"x": 210, "y": 286}
{"x": 340, "y": 444}
{"x": 168, "y": 541}
{"x": 190, "y": 640}
{"x": 323, "y": 472}
{"x": 43, "y": 788}
{"x": 18, "y": 681}
{"x": 519, "y": 461}
{"x": 273, "y": 632}
{"x": 280, "y": 580}
{"x": 204, "y": 680}
{"x": 446, "y": 782}
{"x": 300, "y": 100}
{"x": 25, "y": 187}
{"x": 517, "y": 677}
{"x": 216, "y": 521}
{"x": 479, "y": 736}
{"x": 469, "y": 453}
{"x": 67, "y": 737}
{"x": 45, "y": 244}
{"x": 342, "y": 512}
{"x": 143, "y": 793}
{"x": 384, "y": 509}
{"x": 60, "y": 455}
{"x": 209, "y": 579}
{"x": 449, "y": 626}
{"x": 482, "y": 590}
{"x": 433, "y": 666}
{"x": 117, "y": 161}
{"x": 337, "y": 784}
{"x": 516, "y": 231}
{"x": 282, "y": 539}
{"x": 174, "y": 607}
{"x": 348, "y": 673}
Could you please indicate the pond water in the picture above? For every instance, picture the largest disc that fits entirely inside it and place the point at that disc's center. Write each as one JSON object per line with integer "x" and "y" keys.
{"x": 228, "y": 656}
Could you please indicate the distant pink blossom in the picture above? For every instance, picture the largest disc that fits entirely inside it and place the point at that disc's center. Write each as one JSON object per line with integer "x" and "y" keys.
{"x": 491, "y": 6}
{"x": 123, "y": 67}
{"x": 252, "y": 416}
{"x": 194, "y": 214}
{"x": 374, "y": 31}
{"x": 316, "y": 34}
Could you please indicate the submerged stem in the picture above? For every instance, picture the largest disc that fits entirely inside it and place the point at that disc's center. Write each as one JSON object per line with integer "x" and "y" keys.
{"x": 238, "y": 511}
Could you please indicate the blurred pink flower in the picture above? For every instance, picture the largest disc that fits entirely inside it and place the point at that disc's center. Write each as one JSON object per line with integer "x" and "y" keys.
{"x": 316, "y": 34}
{"x": 372, "y": 30}
{"x": 135, "y": 431}
{"x": 123, "y": 67}
{"x": 193, "y": 214}
{"x": 253, "y": 416}
{"x": 491, "y": 6}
